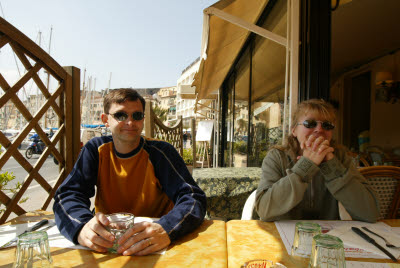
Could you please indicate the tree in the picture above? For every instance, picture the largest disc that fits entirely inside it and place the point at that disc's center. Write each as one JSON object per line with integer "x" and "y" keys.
{"x": 161, "y": 113}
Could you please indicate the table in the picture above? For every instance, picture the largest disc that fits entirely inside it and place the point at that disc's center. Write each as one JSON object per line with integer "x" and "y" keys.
{"x": 227, "y": 189}
{"x": 204, "y": 247}
{"x": 248, "y": 240}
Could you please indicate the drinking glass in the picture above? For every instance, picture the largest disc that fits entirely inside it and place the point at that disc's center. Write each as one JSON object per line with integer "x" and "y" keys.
{"x": 303, "y": 237}
{"x": 327, "y": 252}
{"x": 262, "y": 263}
{"x": 33, "y": 250}
{"x": 119, "y": 224}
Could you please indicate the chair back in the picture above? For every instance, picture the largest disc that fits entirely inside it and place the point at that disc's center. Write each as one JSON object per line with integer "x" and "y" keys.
{"x": 385, "y": 180}
{"x": 247, "y": 213}
{"x": 359, "y": 159}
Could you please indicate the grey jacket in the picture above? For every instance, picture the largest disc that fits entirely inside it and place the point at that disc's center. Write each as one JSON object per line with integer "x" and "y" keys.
{"x": 290, "y": 190}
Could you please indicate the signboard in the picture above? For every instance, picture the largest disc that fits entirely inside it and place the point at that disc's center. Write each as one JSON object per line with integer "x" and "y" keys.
{"x": 204, "y": 130}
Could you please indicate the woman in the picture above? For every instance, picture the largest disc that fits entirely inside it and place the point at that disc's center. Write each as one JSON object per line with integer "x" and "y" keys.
{"x": 305, "y": 178}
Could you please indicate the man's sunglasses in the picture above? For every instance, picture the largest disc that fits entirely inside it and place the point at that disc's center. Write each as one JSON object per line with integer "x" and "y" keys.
{"x": 122, "y": 116}
{"x": 313, "y": 124}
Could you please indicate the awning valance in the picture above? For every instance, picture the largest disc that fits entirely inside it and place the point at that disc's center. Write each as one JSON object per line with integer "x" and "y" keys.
{"x": 222, "y": 41}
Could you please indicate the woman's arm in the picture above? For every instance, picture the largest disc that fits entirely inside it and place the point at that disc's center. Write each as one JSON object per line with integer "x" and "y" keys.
{"x": 280, "y": 188}
{"x": 349, "y": 187}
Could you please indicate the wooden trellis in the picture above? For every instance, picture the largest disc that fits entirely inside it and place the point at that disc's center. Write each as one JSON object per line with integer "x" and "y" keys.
{"x": 64, "y": 101}
{"x": 154, "y": 128}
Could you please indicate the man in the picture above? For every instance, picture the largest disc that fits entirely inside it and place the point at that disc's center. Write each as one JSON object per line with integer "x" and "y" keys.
{"x": 132, "y": 174}
{"x": 185, "y": 137}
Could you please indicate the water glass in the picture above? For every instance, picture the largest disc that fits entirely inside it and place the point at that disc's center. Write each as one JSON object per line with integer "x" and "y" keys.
{"x": 33, "y": 250}
{"x": 303, "y": 238}
{"x": 119, "y": 224}
{"x": 327, "y": 252}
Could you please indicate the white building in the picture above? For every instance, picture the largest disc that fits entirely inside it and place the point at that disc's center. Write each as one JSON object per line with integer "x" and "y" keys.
{"x": 185, "y": 98}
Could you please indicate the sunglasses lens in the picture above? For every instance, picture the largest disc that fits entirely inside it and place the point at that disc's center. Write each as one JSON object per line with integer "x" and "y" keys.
{"x": 120, "y": 116}
{"x": 137, "y": 116}
{"x": 327, "y": 125}
{"x": 310, "y": 123}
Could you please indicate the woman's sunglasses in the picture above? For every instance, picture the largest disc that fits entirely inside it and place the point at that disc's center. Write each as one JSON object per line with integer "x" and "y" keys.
{"x": 313, "y": 124}
{"x": 122, "y": 116}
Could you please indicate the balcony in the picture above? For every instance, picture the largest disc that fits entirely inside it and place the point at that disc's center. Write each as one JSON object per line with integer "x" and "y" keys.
{"x": 187, "y": 92}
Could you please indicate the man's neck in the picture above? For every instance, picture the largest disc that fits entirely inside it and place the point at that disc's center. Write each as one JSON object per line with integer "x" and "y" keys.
{"x": 125, "y": 147}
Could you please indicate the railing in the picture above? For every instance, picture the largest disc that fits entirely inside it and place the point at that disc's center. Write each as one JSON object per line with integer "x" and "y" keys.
{"x": 64, "y": 101}
{"x": 154, "y": 128}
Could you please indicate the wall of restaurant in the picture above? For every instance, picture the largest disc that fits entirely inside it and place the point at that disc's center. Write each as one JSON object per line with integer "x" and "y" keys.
{"x": 384, "y": 116}
{"x": 385, "y": 123}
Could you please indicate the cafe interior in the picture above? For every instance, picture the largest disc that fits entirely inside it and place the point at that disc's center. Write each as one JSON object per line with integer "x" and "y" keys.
{"x": 348, "y": 55}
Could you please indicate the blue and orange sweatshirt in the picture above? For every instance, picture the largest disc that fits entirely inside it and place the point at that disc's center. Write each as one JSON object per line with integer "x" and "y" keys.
{"x": 151, "y": 181}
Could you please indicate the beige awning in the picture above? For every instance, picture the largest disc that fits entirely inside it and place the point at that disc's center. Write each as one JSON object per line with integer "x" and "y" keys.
{"x": 223, "y": 41}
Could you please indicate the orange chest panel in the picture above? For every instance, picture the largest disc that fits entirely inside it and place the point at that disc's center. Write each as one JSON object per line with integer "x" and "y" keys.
{"x": 129, "y": 185}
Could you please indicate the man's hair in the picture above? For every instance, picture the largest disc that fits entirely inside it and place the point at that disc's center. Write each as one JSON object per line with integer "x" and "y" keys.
{"x": 121, "y": 95}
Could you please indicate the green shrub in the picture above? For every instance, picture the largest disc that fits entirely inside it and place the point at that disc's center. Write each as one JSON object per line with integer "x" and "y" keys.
{"x": 188, "y": 156}
{"x": 5, "y": 178}
{"x": 240, "y": 147}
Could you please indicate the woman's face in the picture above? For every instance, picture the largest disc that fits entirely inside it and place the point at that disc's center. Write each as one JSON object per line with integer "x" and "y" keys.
{"x": 302, "y": 133}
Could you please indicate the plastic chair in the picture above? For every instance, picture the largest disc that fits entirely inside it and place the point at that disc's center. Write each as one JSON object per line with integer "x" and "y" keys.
{"x": 343, "y": 213}
{"x": 386, "y": 182}
{"x": 247, "y": 213}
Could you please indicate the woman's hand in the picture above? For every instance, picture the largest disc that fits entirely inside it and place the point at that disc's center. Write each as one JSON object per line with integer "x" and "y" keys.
{"x": 317, "y": 149}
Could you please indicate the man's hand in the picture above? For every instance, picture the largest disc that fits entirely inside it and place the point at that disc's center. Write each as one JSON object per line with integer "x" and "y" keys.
{"x": 93, "y": 234}
{"x": 143, "y": 238}
{"x": 317, "y": 149}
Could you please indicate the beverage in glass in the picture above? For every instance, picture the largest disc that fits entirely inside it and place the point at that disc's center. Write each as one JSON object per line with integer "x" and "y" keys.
{"x": 119, "y": 224}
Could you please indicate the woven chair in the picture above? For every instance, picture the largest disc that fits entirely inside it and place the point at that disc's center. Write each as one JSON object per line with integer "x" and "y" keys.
{"x": 359, "y": 159}
{"x": 386, "y": 182}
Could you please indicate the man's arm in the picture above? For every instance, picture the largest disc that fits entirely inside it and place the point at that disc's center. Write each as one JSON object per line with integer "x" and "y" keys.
{"x": 177, "y": 182}
{"x": 72, "y": 199}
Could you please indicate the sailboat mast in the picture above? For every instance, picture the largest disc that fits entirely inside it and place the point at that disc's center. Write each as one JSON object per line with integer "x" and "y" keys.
{"x": 92, "y": 112}
{"x": 83, "y": 93}
{"x": 37, "y": 88}
{"x": 109, "y": 84}
{"x": 48, "y": 74}
{"x": 48, "y": 78}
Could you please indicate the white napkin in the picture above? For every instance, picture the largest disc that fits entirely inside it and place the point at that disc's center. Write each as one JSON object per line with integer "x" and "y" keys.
{"x": 351, "y": 239}
{"x": 56, "y": 239}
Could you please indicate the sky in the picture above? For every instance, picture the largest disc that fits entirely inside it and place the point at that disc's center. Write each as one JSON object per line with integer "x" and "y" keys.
{"x": 140, "y": 44}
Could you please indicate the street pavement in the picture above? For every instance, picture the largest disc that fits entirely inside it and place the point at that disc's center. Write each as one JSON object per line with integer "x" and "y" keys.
{"x": 35, "y": 193}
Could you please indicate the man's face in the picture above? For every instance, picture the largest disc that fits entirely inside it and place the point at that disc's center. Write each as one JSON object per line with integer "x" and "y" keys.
{"x": 127, "y": 132}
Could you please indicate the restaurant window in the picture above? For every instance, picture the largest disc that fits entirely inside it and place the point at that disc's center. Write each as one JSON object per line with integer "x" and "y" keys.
{"x": 268, "y": 87}
{"x": 253, "y": 96}
{"x": 229, "y": 121}
{"x": 241, "y": 111}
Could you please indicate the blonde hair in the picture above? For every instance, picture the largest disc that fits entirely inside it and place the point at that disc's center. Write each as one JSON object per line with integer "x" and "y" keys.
{"x": 291, "y": 145}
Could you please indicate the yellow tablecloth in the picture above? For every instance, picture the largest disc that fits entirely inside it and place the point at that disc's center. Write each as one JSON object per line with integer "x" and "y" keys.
{"x": 248, "y": 240}
{"x": 204, "y": 247}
